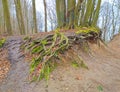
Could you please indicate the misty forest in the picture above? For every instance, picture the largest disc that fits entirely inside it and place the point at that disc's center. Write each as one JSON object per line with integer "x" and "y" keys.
{"x": 59, "y": 45}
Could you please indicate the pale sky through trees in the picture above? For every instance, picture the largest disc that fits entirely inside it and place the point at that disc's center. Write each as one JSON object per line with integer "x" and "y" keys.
{"x": 39, "y": 4}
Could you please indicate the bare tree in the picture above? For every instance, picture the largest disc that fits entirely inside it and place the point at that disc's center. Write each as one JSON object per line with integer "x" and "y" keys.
{"x": 45, "y": 11}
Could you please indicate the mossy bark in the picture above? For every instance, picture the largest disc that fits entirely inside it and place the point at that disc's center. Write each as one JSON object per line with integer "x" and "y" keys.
{"x": 71, "y": 12}
{"x": 61, "y": 12}
{"x": 7, "y": 16}
{"x": 34, "y": 16}
{"x": 19, "y": 16}
{"x": 96, "y": 15}
{"x": 77, "y": 12}
{"x": 87, "y": 13}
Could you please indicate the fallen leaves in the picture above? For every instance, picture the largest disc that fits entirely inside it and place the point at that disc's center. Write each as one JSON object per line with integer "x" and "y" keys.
{"x": 4, "y": 64}
{"x": 78, "y": 77}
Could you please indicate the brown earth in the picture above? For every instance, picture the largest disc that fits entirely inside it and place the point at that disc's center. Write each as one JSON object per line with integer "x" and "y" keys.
{"x": 4, "y": 64}
{"x": 103, "y": 74}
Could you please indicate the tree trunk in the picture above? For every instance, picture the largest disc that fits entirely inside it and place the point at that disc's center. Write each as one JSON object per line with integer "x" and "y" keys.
{"x": 19, "y": 16}
{"x": 45, "y": 11}
{"x": 82, "y": 12}
{"x": 95, "y": 19}
{"x": 77, "y": 12}
{"x": 34, "y": 16}
{"x": 87, "y": 13}
{"x": 26, "y": 16}
{"x": 71, "y": 12}
{"x": 92, "y": 12}
{"x": 61, "y": 12}
{"x": 7, "y": 17}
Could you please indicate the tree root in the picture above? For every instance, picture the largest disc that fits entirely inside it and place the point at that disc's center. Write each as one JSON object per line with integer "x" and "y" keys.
{"x": 51, "y": 46}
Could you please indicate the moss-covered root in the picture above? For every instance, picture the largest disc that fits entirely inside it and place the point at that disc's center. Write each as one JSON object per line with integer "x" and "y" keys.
{"x": 45, "y": 49}
{"x": 89, "y": 32}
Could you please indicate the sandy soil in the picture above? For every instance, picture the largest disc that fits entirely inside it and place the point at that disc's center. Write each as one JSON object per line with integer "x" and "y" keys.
{"x": 103, "y": 74}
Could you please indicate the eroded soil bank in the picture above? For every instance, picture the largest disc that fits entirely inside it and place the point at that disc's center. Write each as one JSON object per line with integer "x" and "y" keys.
{"x": 103, "y": 74}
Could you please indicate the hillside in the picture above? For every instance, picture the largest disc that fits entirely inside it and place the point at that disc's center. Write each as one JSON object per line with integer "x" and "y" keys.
{"x": 102, "y": 74}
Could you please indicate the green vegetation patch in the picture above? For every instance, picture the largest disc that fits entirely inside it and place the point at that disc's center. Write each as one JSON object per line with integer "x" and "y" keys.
{"x": 100, "y": 88}
{"x": 2, "y": 41}
{"x": 87, "y": 30}
{"x": 75, "y": 64}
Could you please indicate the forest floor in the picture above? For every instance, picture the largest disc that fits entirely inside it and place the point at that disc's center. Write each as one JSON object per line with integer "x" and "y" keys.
{"x": 103, "y": 74}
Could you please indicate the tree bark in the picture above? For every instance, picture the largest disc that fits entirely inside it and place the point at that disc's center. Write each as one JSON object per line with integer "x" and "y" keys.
{"x": 71, "y": 11}
{"x": 87, "y": 13}
{"x": 7, "y": 17}
{"x": 34, "y": 16}
{"x": 19, "y": 15}
{"x": 95, "y": 19}
{"x": 61, "y": 12}
{"x": 45, "y": 11}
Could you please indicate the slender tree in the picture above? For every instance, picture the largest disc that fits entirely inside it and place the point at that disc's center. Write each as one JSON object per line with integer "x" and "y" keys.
{"x": 45, "y": 11}
{"x": 7, "y": 17}
{"x": 77, "y": 11}
{"x": 87, "y": 13}
{"x": 96, "y": 15}
{"x": 25, "y": 12}
{"x": 19, "y": 16}
{"x": 82, "y": 13}
{"x": 34, "y": 15}
{"x": 71, "y": 12}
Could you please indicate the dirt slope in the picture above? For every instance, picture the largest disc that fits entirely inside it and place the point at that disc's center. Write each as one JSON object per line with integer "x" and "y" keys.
{"x": 103, "y": 73}
{"x": 115, "y": 43}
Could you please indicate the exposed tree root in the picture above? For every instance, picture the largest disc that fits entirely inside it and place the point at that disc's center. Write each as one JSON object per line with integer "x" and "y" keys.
{"x": 52, "y": 46}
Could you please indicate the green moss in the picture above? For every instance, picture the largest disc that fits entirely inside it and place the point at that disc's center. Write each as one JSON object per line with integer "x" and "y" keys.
{"x": 87, "y": 30}
{"x": 100, "y": 88}
{"x": 75, "y": 64}
{"x": 26, "y": 38}
{"x": 83, "y": 65}
{"x": 2, "y": 41}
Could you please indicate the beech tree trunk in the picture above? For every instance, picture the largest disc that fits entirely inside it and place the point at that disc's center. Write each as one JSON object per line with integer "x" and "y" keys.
{"x": 78, "y": 13}
{"x": 19, "y": 15}
{"x": 96, "y": 15}
{"x": 71, "y": 12}
{"x": 7, "y": 16}
{"x": 61, "y": 12}
{"x": 34, "y": 16}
